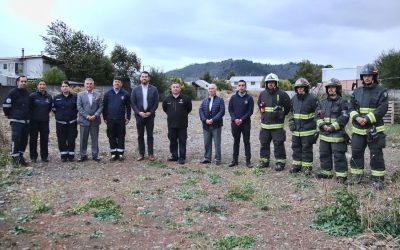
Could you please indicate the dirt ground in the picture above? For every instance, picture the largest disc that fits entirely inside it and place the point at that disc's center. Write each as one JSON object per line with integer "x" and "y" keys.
{"x": 165, "y": 205}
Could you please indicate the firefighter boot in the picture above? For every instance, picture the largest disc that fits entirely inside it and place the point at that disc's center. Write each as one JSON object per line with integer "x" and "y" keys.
{"x": 378, "y": 182}
{"x": 295, "y": 169}
{"x": 279, "y": 166}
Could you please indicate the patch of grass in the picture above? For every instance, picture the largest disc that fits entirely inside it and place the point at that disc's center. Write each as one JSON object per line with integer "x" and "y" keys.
{"x": 262, "y": 201}
{"x": 208, "y": 207}
{"x": 171, "y": 224}
{"x": 301, "y": 182}
{"x": 214, "y": 178}
{"x": 238, "y": 173}
{"x": 286, "y": 206}
{"x": 340, "y": 218}
{"x": 190, "y": 181}
{"x": 258, "y": 172}
{"x": 102, "y": 209}
{"x": 4, "y": 159}
{"x": 184, "y": 170}
{"x": 137, "y": 191}
{"x": 17, "y": 230}
{"x": 185, "y": 193}
{"x": 242, "y": 191}
{"x": 96, "y": 234}
{"x": 145, "y": 178}
{"x": 24, "y": 218}
{"x": 387, "y": 222}
{"x": 40, "y": 202}
{"x": 392, "y": 132}
{"x": 234, "y": 241}
{"x": 157, "y": 164}
{"x": 165, "y": 174}
{"x": 195, "y": 234}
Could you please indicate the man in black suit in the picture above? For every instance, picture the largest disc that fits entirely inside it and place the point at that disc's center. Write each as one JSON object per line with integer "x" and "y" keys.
{"x": 144, "y": 101}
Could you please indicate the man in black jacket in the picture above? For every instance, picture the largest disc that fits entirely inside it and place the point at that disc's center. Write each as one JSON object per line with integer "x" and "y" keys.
{"x": 116, "y": 114}
{"x": 177, "y": 106}
{"x": 241, "y": 106}
{"x": 16, "y": 108}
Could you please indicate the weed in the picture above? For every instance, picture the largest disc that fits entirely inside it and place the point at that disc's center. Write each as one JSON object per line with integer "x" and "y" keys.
{"x": 301, "y": 182}
{"x": 103, "y": 209}
{"x": 157, "y": 164}
{"x": 184, "y": 170}
{"x": 185, "y": 193}
{"x": 136, "y": 191}
{"x": 262, "y": 201}
{"x": 387, "y": 222}
{"x": 233, "y": 241}
{"x": 214, "y": 178}
{"x": 24, "y": 218}
{"x": 165, "y": 174}
{"x": 96, "y": 234}
{"x": 195, "y": 234}
{"x": 286, "y": 206}
{"x": 17, "y": 230}
{"x": 341, "y": 218}
{"x": 238, "y": 173}
{"x": 190, "y": 181}
{"x": 208, "y": 207}
{"x": 243, "y": 191}
{"x": 169, "y": 223}
{"x": 258, "y": 172}
{"x": 39, "y": 202}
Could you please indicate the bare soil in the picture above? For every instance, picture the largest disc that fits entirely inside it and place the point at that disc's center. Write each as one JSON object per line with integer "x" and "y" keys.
{"x": 157, "y": 210}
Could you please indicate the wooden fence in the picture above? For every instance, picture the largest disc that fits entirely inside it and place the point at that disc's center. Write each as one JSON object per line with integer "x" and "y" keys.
{"x": 393, "y": 112}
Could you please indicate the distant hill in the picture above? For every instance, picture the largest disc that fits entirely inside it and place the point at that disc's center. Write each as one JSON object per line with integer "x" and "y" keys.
{"x": 239, "y": 67}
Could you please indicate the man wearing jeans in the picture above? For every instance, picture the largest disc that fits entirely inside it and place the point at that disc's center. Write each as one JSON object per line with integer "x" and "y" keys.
{"x": 211, "y": 112}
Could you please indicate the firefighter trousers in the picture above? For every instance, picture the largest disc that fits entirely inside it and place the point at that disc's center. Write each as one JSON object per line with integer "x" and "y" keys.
{"x": 278, "y": 137}
{"x": 338, "y": 151}
{"x": 302, "y": 147}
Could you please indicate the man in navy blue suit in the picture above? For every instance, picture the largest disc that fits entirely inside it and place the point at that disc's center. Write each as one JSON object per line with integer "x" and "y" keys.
{"x": 144, "y": 101}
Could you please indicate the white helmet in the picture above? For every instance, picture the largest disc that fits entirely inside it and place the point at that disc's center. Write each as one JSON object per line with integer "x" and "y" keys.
{"x": 272, "y": 77}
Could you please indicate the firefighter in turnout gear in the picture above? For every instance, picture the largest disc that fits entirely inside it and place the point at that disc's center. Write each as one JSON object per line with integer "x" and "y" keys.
{"x": 332, "y": 116}
{"x": 303, "y": 127}
{"x": 16, "y": 108}
{"x": 274, "y": 105}
{"x": 367, "y": 107}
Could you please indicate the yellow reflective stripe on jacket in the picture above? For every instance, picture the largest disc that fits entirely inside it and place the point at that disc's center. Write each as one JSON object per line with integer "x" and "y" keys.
{"x": 353, "y": 113}
{"x": 304, "y": 133}
{"x": 356, "y": 171}
{"x": 319, "y": 122}
{"x": 364, "y": 131}
{"x": 331, "y": 138}
{"x": 371, "y": 117}
{"x": 377, "y": 173}
{"x": 303, "y": 116}
{"x": 269, "y": 109}
{"x": 366, "y": 110}
{"x": 328, "y": 119}
{"x": 272, "y": 126}
{"x": 336, "y": 125}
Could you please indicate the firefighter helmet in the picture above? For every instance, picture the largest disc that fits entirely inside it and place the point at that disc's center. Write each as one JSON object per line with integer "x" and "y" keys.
{"x": 369, "y": 69}
{"x": 302, "y": 82}
{"x": 271, "y": 78}
{"x": 334, "y": 83}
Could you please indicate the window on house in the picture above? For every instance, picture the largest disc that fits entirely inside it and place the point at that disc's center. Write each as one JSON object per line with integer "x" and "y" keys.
{"x": 5, "y": 66}
{"x": 236, "y": 83}
{"x": 253, "y": 83}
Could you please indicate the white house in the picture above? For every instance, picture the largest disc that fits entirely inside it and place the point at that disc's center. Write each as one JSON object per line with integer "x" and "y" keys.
{"x": 347, "y": 76}
{"x": 31, "y": 66}
{"x": 255, "y": 83}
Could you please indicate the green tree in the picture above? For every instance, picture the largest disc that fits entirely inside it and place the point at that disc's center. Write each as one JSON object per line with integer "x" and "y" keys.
{"x": 207, "y": 77}
{"x": 285, "y": 85}
{"x": 223, "y": 85}
{"x": 159, "y": 79}
{"x": 187, "y": 89}
{"x": 125, "y": 63}
{"x": 54, "y": 76}
{"x": 310, "y": 71}
{"x": 388, "y": 65}
{"x": 230, "y": 74}
{"x": 79, "y": 55}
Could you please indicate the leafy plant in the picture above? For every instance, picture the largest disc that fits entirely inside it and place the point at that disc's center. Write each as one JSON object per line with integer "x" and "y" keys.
{"x": 340, "y": 218}
{"x": 103, "y": 209}
{"x": 40, "y": 202}
{"x": 169, "y": 223}
{"x": 96, "y": 234}
{"x": 17, "y": 230}
{"x": 213, "y": 178}
{"x": 243, "y": 191}
{"x": 234, "y": 241}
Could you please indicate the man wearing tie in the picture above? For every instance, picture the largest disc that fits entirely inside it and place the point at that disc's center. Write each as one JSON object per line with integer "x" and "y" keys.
{"x": 144, "y": 101}
{"x": 90, "y": 107}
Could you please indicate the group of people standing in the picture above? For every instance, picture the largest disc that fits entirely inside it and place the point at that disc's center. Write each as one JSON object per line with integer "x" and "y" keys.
{"x": 308, "y": 118}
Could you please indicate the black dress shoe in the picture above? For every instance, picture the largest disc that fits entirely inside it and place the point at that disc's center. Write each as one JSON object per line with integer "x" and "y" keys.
{"x": 217, "y": 163}
{"x": 172, "y": 159}
{"x": 82, "y": 159}
{"x": 64, "y": 159}
{"x": 232, "y": 164}
{"x": 205, "y": 161}
{"x": 97, "y": 159}
{"x": 45, "y": 160}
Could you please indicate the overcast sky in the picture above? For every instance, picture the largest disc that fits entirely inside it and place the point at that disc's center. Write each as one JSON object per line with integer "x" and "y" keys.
{"x": 173, "y": 34}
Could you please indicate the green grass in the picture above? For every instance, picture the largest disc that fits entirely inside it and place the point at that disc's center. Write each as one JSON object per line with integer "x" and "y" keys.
{"x": 301, "y": 182}
{"x": 157, "y": 164}
{"x": 17, "y": 230}
{"x": 102, "y": 209}
{"x": 96, "y": 234}
{"x": 241, "y": 191}
{"x": 392, "y": 132}
{"x": 171, "y": 224}
{"x": 40, "y": 202}
{"x": 214, "y": 178}
{"x": 233, "y": 241}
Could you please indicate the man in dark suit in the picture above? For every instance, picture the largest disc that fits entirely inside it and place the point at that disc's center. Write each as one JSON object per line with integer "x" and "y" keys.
{"x": 90, "y": 107}
{"x": 144, "y": 101}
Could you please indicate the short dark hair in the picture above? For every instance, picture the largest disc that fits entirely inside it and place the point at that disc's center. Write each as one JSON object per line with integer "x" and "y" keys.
{"x": 117, "y": 78}
{"x": 64, "y": 82}
{"x": 245, "y": 84}
{"x": 145, "y": 72}
{"x": 41, "y": 80}
{"x": 18, "y": 78}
